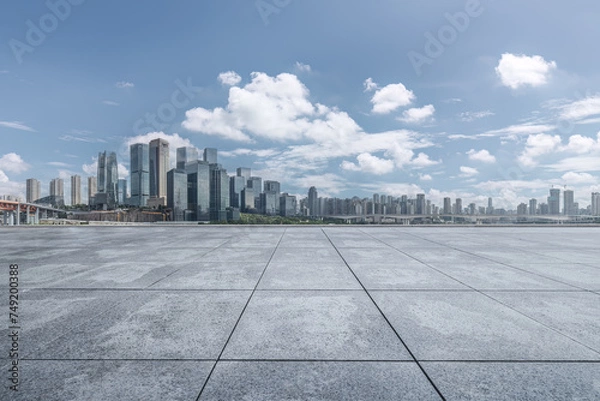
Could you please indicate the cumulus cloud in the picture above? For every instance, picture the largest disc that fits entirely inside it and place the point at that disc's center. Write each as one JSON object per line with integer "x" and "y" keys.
{"x": 391, "y": 97}
{"x": 516, "y": 71}
{"x": 16, "y": 125}
{"x": 468, "y": 171}
{"x": 13, "y": 163}
{"x": 301, "y": 67}
{"x": 538, "y": 145}
{"x": 229, "y": 78}
{"x": 573, "y": 178}
{"x": 482, "y": 155}
{"x": 124, "y": 85}
{"x": 370, "y": 164}
{"x": 423, "y": 160}
{"x": 417, "y": 115}
{"x": 469, "y": 116}
{"x": 425, "y": 177}
{"x": 369, "y": 85}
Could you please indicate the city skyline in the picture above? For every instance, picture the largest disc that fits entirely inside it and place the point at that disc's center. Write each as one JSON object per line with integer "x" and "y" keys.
{"x": 480, "y": 112}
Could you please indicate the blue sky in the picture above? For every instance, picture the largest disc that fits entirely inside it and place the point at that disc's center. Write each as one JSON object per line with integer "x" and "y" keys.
{"x": 461, "y": 98}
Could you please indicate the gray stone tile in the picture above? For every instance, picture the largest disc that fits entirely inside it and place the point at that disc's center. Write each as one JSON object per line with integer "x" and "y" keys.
{"x": 403, "y": 275}
{"x": 308, "y": 275}
{"x": 578, "y": 275}
{"x": 490, "y": 275}
{"x": 470, "y": 326}
{"x": 309, "y": 255}
{"x": 516, "y": 381}
{"x": 214, "y": 276}
{"x": 109, "y": 380}
{"x": 313, "y": 325}
{"x": 239, "y": 254}
{"x": 266, "y": 381}
{"x": 576, "y": 314}
{"x": 375, "y": 255}
{"x": 153, "y": 325}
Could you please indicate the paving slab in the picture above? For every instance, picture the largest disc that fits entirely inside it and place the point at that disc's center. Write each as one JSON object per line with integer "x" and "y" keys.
{"x": 470, "y": 326}
{"x": 578, "y": 275}
{"x": 308, "y": 276}
{"x": 333, "y": 381}
{"x": 214, "y": 276}
{"x": 313, "y": 325}
{"x": 109, "y": 380}
{"x": 516, "y": 381}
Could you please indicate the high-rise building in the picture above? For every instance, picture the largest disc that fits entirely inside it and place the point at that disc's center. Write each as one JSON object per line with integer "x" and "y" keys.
{"x": 288, "y": 205}
{"x": 33, "y": 190}
{"x": 92, "y": 189}
{"x": 490, "y": 207}
{"x": 177, "y": 193}
{"x": 210, "y": 155}
{"x": 269, "y": 203}
{"x": 57, "y": 192}
{"x": 75, "y": 190}
{"x": 236, "y": 186}
{"x": 219, "y": 193}
{"x": 198, "y": 176}
{"x": 569, "y": 200}
{"x": 421, "y": 205}
{"x": 122, "y": 191}
{"x": 186, "y": 155}
{"x": 140, "y": 174}
{"x": 554, "y": 202}
{"x": 247, "y": 199}
{"x": 313, "y": 202}
{"x": 107, "y": 177}
{"x": 244, "y": 172}
{"x": 595, "y": 204}
{"x": 272, "y": 186}
{"x": 532, "y": 206}
{"x": 522, "y": 209}
{"x": 447, "y": 205}
{"x": 159, "y": 165}
{"x": 459, "y": 207}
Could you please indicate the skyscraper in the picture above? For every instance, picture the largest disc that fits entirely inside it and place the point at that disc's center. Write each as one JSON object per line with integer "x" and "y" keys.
{"x": 421, "y": 205}
{"x": 287, "y": 205}
{"x": 554, "y": 202}
{"x": 75, "y": 190}
{"x": 92, "y": 189}
{"x": 219, "y": 193}
{"x": 198, "y": 176}
{"x": 186, "y": 155}
{"x": 244, "y": 172}
{"x": 210, "y": 155}
{"x": 33, "y": 190}
{"x": 313, "y": 202}
{"x": 447, "y": 205}
{"x": 459, "y": 208}
{"x": 533, "y": 206}
{"x": 57, "y": 192}
{"x": 595, "y": 204}
{"x": 236, "y": 186}
{"x": 122, "y": 191}
{"x": 108, "y": 175}
{"x": 159, "y": 165}
{"x": 140, "y": 174}
{"x": 177, "y": 193}
{"x": 273, "y": 186}
{"x": 569, "y": 200}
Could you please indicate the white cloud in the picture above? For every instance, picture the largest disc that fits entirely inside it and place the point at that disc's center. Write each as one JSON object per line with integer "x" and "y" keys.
{"x": 73, "y": 138}
{"x": 425, "y": 177}
{"x": 8, "y": 187}
{"x": 110, "y": 103}
{"x": 520, "y": 70}
{"x": 519, "y": 129}
{"x": 581, "y": 109}
{"x": 417, "y": 115}
{"x": 3, "y": 177}
{"x": 124, "y": 85}
{"x": 483, "y": 156}
{"x": 229, "y": 78}
{"x": 123, "y": 171}
{"x": 370, "y": 164}
{"x": 249, "y": 152}
{"x": 301, "y": 67}
{"x": 391, "y": 97}
{"x": 175, "y": 141}
{"x": 538, "y": 145}
{"x": 59, "y": 164}
{"x": 582, "y": 144}
{"x": 468, "y": 171}
{"x": 573, "y": 178}
{"x": 369, "y": 85}
{"x": 16, "y": 125}
{"x": 469, "y": 116}
{"x": 576, "y": 164}
{"x": 423, "y": 160}
{"x": 13, "y": 163}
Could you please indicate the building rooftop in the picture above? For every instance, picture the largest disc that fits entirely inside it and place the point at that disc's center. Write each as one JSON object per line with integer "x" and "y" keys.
{"x": 298, "y": 313}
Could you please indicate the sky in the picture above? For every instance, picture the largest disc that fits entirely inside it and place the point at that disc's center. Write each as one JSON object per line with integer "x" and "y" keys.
{"x": 465, "y": 98}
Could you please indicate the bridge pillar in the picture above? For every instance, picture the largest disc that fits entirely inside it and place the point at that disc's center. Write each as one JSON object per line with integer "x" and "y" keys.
{"x": 37, "y": 216}
{"x": 27, "y": 221}
{"x": 18, "y": 213}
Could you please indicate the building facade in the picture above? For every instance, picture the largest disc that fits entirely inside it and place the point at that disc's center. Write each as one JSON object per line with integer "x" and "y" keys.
{"x": 75, "y": 190}
{"x": 140, "y": 174}
{"x": 33, "y": 190}
{"x": 159, "y": 165}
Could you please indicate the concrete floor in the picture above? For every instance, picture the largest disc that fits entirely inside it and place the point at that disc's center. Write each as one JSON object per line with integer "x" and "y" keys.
{"x": 304, "y": 313}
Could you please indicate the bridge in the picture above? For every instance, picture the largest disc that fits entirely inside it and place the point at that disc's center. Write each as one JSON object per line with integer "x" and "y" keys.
{"x": 13, "y": 211}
